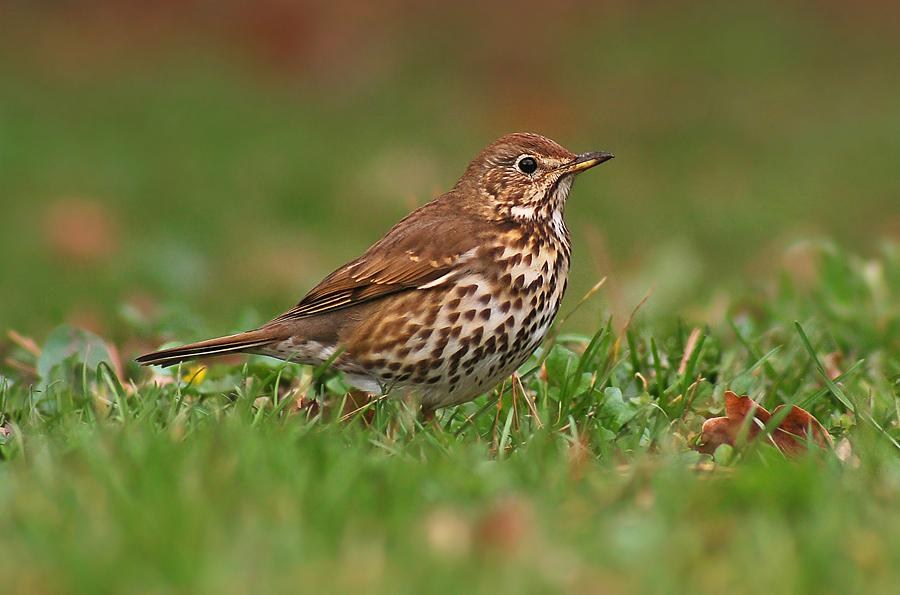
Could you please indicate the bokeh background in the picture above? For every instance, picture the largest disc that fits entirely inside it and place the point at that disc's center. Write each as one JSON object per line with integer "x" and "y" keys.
{"x": 185, "y": 167}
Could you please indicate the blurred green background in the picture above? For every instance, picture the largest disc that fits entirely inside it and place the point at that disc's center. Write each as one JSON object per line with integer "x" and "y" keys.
{"x": 200, "y": 165}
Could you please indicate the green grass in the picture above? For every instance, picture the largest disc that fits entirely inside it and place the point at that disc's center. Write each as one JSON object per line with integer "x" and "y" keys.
{"x": 209, "y": 486}
{"x": 218, "y": 184}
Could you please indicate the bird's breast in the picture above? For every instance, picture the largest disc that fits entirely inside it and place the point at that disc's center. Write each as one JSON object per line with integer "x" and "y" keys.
{"x": 455, "y": 339}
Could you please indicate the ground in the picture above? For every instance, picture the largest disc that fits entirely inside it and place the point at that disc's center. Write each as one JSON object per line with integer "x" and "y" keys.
{"x": 585, "y": 481}
{"x": 168, "y": 174}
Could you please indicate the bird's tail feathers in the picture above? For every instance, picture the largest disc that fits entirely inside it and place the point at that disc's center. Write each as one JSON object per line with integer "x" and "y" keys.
{"x": 238, "y": 343}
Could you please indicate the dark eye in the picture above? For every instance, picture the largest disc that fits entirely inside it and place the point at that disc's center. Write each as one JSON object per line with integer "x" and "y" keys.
{"x": 527, "y": 165}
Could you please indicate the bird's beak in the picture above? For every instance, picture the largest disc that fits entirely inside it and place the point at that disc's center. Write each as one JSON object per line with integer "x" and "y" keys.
{"x": 586, "y": 161}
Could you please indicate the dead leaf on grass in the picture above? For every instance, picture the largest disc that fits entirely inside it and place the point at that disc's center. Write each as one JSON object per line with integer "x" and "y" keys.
{"x": 507, "y": 527}
{"x": 81, "y": 230}
{"x": 791, "y": 436}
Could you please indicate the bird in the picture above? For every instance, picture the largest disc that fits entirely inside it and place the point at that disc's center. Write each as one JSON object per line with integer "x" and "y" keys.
{"x": 452, "y": 300}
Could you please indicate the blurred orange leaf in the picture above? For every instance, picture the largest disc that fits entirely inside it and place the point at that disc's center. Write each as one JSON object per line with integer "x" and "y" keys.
{"x": 790, "y": 437}
{"x": 81, "y": 230}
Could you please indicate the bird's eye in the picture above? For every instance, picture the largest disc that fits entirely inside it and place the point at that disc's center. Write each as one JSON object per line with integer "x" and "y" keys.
{"x": 527, "y": 164}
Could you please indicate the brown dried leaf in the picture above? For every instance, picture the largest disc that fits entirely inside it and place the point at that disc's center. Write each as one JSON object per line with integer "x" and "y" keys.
{"x": 790, "y": 437}
{"x": 506, "y": 527}
{"x": 81, "y": 230}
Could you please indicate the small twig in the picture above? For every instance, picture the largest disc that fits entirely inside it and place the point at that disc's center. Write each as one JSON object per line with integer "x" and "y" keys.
{"x": 692, "y": 392}
{"x": 349, "y": 415}
{"x": 634, "y": 312}
{"x": 26, "y": 343}
{"x": 587, "y": 296}
{"x": 528, "y": 400}
{"x": 643, "y": 380}
{"x": 689, "y": 349}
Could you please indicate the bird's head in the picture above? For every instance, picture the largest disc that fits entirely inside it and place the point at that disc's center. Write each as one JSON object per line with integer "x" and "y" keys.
{"x": 524, "y": 176}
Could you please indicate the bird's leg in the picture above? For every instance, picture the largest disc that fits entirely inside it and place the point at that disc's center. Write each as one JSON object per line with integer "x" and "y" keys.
{"x": 426, "y": 414}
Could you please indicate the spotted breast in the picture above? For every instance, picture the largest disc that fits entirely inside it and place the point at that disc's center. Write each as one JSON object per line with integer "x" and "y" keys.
{"x": 458, "y": 338}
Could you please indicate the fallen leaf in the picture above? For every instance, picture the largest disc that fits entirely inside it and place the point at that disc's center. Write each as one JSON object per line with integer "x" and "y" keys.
{"x": 80, "y": 230}
{"x": 790, "y": 437}
{"x": 507, "y": 526}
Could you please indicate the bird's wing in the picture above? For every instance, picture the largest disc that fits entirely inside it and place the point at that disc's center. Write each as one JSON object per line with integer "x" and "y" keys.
{"x": 419, "y": 252}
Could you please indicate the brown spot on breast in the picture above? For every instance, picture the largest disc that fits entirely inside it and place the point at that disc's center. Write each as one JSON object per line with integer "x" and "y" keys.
{"x": 441, "y": 345}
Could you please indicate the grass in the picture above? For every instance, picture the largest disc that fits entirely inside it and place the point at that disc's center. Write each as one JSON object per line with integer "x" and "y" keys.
{"x": 158, "y": 174}
{"x": 585, "y": 481}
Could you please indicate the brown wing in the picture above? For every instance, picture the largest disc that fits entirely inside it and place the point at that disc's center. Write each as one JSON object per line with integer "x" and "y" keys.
{"x": 425, "y": 246}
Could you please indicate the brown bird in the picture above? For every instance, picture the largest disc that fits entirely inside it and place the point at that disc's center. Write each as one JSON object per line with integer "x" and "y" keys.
{"x": 453, "y": 299}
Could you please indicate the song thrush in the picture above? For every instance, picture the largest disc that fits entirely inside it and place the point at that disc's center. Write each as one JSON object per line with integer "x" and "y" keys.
{"x": 453, "y": 299}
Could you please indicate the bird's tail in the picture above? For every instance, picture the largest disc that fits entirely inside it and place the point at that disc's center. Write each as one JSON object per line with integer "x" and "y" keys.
{"x": 238, "y": 343}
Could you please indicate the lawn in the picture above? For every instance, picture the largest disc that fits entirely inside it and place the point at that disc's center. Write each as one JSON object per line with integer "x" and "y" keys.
{"x": 219, "y": 482}
{"x": 167, "y": 175}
